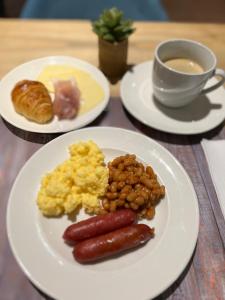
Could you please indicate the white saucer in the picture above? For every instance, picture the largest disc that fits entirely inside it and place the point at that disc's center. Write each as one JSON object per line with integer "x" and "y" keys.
{"x": 202, "y": 115}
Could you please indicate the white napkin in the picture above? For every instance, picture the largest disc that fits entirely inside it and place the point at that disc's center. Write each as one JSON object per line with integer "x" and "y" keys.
{"x": 215, "y": 156}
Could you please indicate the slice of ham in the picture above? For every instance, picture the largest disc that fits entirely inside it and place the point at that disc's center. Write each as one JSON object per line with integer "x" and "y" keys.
{"x": 67, "y": 99}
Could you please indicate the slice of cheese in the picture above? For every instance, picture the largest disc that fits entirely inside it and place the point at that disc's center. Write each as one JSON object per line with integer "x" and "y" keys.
{"x": 91, "y": 92}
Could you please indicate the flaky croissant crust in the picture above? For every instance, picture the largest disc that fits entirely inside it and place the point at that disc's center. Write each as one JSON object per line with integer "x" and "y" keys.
{"x": 32, "y": 100}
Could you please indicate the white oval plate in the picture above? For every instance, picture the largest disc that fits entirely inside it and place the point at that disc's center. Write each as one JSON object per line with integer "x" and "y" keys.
{"x": 203, "y": 114}
{"x": 37, "y": 241}
{"x": 31, "y": 70}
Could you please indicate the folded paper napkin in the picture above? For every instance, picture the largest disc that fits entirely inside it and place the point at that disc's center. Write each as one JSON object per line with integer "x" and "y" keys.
{"x": 215, "y": 156}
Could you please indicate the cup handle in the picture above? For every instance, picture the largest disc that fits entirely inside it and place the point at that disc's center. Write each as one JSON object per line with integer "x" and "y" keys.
{"x": 218, "y": 72}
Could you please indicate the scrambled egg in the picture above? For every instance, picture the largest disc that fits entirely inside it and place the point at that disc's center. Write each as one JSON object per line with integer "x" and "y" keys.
{"x": 77, "y": 182}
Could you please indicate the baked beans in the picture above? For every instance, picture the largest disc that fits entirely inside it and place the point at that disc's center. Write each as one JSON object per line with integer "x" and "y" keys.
{"x": 132, "y": 185}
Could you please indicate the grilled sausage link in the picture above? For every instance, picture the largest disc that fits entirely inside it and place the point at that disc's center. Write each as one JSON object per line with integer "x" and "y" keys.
{"x": 98, "y": 225}
{"x": 112, "y": 243}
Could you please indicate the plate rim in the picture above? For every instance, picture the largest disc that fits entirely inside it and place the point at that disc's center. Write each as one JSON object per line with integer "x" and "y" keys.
{"x": 160, "y": 128}
{"x": 175, "y": 160}
{"x": 103, "y": 104}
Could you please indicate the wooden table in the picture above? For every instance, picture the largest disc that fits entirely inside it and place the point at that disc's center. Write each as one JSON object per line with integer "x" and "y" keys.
{"x": 204, "y": 277}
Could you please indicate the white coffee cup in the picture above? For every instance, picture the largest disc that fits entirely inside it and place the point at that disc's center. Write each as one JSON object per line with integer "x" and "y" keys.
{"x": 174, "y": 88}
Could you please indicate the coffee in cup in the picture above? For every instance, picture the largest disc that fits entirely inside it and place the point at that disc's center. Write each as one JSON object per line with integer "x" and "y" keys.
{"x": 180, "y": 71}
{"x": 184, "y": 65}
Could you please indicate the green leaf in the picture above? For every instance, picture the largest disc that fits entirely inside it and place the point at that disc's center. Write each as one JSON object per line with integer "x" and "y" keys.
{"x": 98, "y": 32}
{"x": 118, "y": 28}
{"x": 109, "y": 37}
{"x": 127, "y": 23}
{"x": 97, "y": 23}
{"x": 104, "y": 29}
{"x": 116, "y": 14}
{"x": 128, "y": 30}
{"x": 108, "y": 20}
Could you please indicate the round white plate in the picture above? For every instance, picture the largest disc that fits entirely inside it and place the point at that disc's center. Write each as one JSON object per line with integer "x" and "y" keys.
{"x": 31, "y": 70}
{"x": 37, "y": 241}
{"x": 204, "y": 114}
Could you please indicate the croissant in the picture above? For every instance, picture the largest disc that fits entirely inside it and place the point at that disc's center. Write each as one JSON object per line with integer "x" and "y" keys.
{"x": 32, "y": 100}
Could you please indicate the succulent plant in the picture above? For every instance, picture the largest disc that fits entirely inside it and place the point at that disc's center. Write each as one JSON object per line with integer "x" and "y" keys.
{"x": 112, "y": 27}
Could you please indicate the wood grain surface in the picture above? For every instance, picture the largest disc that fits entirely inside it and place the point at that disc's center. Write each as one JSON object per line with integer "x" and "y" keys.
{"x": 204, "y": 276}
{"x": 24, "y": 40}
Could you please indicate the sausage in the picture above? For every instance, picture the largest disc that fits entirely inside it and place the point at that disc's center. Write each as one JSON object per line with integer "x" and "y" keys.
{"x": 98, "y": 225}
{"x": 112, "y": 243}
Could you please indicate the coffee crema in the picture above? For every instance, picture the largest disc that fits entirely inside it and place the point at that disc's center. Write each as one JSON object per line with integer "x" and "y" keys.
{"x": 184, "y": 65}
